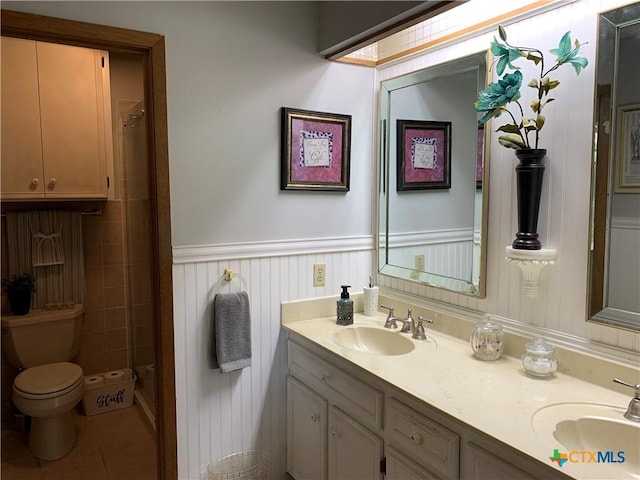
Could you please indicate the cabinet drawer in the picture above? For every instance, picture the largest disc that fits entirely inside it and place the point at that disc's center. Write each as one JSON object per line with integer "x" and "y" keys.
{"x": 423, "y": 440}
{"x": 351, "y": 395}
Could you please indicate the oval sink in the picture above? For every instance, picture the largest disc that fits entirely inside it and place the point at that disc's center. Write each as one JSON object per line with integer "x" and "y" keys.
{"x": 375, "y": 341}
{"x": 585, "y": 428}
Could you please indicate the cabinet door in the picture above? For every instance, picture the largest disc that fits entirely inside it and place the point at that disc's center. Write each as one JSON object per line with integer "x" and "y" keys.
{"x": 481, "y": 464}
{"x": 400, "y": 467}
{"x": 73, "y": 124}
{"x": 22, "y": 174}
{"x": 354, "y": 452}
{"x": 306, "y": 432}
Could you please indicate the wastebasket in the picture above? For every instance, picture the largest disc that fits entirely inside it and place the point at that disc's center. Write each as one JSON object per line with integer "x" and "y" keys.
{"x": 249, "y": 465}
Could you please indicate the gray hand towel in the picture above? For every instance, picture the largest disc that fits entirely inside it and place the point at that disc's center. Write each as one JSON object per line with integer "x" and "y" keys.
{"x": 231, "y": 332}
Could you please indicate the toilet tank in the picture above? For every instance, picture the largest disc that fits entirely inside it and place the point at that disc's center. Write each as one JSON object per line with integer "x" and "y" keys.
{"x": 42, "y": 336}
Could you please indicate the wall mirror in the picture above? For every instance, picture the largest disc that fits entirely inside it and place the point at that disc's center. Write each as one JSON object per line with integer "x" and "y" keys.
{"x": 433, "y": 175}
{"x": 615, "y": 203}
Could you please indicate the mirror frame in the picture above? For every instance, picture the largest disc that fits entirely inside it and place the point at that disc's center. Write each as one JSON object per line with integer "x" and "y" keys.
{"x": 460, "y": 65}
{"x": 602, "y": 177}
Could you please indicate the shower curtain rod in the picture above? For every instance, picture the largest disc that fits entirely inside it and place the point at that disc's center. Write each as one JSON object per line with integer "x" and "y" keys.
{"x": 97, "y": 211}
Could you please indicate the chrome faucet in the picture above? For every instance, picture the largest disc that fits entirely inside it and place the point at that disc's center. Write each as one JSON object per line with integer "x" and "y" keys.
{"x": 391, "y": 319}
{"x": 419, "y": 334}
{"x": 408, "y": 324}
{"x": 633, "y": 410}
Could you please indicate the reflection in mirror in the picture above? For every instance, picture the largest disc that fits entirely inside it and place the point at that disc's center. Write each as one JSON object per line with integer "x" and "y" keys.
{"x": 432, "y": 204}
{"x": 615, "y": 232}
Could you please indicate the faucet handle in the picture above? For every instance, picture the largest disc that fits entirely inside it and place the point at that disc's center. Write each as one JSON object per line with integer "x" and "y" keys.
{"x": 636, "y": 387}
{"x": 419, "y": 331}
{"x": 391, "y": 320}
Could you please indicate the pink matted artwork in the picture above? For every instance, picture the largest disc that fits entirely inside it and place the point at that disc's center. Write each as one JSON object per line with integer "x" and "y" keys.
{"x": 423, "y": 155}
{"x": 315, "y": 152}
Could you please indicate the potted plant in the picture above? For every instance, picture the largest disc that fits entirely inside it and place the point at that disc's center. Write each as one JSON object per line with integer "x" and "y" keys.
{"x": 522, "y": 133}
{"x": 19, "y": 289}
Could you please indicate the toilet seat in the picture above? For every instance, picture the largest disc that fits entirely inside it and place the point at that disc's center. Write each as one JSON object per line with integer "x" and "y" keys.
{"x": 48, "y": 381}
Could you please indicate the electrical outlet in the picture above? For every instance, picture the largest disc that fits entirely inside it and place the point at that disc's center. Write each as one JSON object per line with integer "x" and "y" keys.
{"x": 319, "y": 274}
{"x": 419, "y": 260}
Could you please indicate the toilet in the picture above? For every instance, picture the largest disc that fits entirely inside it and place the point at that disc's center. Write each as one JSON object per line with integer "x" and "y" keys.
{"x": 48, "y": 387}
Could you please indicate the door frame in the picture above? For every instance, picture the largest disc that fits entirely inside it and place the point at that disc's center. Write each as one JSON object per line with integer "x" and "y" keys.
{"x": 152, "y": 47}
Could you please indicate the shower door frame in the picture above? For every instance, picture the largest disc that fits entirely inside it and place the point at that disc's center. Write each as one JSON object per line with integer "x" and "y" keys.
{"x": 152, "y": 47}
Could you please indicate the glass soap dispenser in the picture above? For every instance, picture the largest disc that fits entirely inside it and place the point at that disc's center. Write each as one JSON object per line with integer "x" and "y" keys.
{"x": 487, "y": 339}
{"x": 539, "y": 360}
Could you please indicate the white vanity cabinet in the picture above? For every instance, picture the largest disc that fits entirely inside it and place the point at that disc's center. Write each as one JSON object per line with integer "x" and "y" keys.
{"x": 337, "y": 430}
{"x": 56, "y": 121}
{"x": 306, "y": 432}
{"x": 333, "y": 421}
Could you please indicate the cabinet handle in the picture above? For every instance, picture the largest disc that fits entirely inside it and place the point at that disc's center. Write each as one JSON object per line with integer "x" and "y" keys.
{"x": 35, "y": 181}
{"x": 416, "y": 438}
{"x": 335, "y": 433}
{"x": 314, "y": 417}
{"x": 53, "y": 181}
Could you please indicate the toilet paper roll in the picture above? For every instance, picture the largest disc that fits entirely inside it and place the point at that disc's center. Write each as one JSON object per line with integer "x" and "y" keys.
{"x": 93, "y": 382}
{"x": 115, "y": 376}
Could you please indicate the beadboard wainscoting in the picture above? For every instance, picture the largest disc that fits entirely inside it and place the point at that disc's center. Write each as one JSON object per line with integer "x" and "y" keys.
{"x": 219, "y": 414}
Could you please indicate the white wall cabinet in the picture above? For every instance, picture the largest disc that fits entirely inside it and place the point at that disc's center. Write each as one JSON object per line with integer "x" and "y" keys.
{"x": 415, "y": 441}
{"x": 56, "y": 127}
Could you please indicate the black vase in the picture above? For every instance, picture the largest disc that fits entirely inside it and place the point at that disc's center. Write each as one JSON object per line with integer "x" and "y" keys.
{"x": 19, "y": 300}
{"x": 529, "y": 173}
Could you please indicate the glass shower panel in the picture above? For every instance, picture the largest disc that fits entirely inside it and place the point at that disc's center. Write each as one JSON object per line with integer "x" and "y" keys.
{"x": 138, "y": 242}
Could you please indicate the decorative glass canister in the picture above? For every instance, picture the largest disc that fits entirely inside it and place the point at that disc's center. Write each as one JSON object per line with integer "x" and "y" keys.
{"x": 539, "y": 360}
{"x": 487, "y": 339}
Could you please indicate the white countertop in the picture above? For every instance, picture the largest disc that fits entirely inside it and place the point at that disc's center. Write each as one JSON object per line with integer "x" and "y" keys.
{"x": 495, "y": 397}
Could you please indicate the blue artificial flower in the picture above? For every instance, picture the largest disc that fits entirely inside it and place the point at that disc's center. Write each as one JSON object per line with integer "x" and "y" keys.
{"x": 565, "y": 54}
{"x": 505, "y": 56}
{"x": 497, "y": 95}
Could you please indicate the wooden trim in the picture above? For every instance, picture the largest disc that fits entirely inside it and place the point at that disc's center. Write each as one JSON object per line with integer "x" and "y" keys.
{"x": 358, "y": 61}
{"x": 600, "y": 198}
{"x": 151, "y": 46}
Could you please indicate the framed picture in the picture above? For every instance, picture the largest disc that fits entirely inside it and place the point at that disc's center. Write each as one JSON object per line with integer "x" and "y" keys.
{"x": 424, "y": 155}
{"x": 628, "y": 149}
{"x": 315, "y": 150}
{"x": 480, "y": 157}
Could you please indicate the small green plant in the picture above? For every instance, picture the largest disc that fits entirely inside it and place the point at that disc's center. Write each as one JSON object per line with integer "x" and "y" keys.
{"x": 493, "y": 100}
{"x": 24, "y": 281}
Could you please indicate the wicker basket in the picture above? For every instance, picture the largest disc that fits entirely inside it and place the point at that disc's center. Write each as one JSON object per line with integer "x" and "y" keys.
{"x": 250, "y": 465}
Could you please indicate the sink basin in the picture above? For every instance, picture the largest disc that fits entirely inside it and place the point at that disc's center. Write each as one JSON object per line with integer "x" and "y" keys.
{"x": 587, "y": 427}
{"x": 375, "y": 341}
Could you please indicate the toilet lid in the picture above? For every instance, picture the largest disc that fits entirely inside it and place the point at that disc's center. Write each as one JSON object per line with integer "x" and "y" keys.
{"x": 47, "y": 379}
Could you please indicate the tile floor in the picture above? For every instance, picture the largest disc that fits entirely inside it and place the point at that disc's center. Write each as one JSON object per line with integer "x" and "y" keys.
{"x": 117, "y": 445}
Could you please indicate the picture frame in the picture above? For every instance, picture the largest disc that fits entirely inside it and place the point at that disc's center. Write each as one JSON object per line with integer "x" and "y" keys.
{"x": 628, "y": 149}
{"x": 315, "y": 150}
{"x": 423, "y": 155}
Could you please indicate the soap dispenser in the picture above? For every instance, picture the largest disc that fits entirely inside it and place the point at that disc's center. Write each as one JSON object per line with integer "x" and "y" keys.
{"x": 345, "y": 307}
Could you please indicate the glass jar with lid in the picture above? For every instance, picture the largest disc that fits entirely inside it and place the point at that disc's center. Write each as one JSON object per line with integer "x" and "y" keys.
{"x": 539, "y": 359}
{"x": 487, "y": 339}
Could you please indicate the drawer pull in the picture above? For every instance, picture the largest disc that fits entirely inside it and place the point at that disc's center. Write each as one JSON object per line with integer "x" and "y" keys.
{"x": 416, "y": 438}
{"x": 35, "y": 181}
{"x": 53, "y": 181}
{"x": 314, "y": 417}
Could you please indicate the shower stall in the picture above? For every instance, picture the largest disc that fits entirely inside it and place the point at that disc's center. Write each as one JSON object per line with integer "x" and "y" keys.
{"x": 135, "y": 195}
